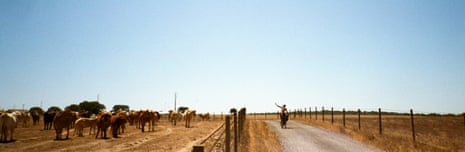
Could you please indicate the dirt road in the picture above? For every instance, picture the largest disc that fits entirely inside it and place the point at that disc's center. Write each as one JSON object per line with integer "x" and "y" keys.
{"x": 302, "y": 137}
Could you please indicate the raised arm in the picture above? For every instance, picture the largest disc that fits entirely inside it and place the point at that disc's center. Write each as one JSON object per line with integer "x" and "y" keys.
{"x": 277, "y": 105}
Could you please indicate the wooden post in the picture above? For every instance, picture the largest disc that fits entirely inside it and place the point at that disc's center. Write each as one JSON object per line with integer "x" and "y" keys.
{"x": 265, "y": 115}
{"x": 316, "y": 113}
{"x": 310, "y": 112}
{"x": 413, "y": 126}
{"x": 239, "y": 125}
{"x": 379, "y": 120}
{"x": 358, "y": 111}
{"x": 305, "y": 113}
{"x": 197, "y": 148}
{"x": 332, "y": 115}
{"x": 227, "y": 138}
{"x": 295, "y": 113}
{"x": 344, "y": 117}
{"x": 323, "y": 113}
{"x": 235, "y": 131}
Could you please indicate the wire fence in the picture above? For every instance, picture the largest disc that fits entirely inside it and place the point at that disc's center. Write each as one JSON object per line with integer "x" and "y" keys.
{"x": 385, "y": 121}
{"x": 227, "y": 136}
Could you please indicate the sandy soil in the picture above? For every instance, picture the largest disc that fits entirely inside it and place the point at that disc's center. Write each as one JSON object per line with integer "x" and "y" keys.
{"x": 302, "y": 137}
{"x": 164, "y": 138}
{"x": 259, "y": 137}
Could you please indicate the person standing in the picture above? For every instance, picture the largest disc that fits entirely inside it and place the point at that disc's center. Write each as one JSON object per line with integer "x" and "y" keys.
{"x": 283, "y": 108}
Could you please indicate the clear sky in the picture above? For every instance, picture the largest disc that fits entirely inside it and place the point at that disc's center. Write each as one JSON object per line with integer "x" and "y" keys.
{"x": 393, "y": 54}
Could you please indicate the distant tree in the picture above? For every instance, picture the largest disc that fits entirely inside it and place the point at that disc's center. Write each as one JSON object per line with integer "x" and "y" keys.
{"x": 54, "y": 109}
{"x": 73, "y": 107}
{"x": 182, "y": 109}
{"x": 122, "y": 107}
{"x": 36, "y": 109}
{"x": 92, "y": 106}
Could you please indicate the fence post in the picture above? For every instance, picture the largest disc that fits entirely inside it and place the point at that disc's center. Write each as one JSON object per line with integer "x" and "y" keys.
{"x": 227, "y": 138}
{"x": 295, "y": 113}
{"x": 323, "y": 112}
{"x": 316, "y": 113}
{"x": 344, "y": 117}
{"x": 197, "y": 148}
{"x": 310, "y": 112}
{"x": 358, "y": 111}
{"x": 332, "y": 115}
{"x": 305, "y": 113}
{"x": 379, "y": 120}
{"x": 413, "y": 126}
{"x": 235, "y": 130}
{"x": 239, "y": 125}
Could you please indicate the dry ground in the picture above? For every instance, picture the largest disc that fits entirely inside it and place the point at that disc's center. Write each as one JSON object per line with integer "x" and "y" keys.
{"x": 433, "y": 133}
{"x": 164, "y": 138}
{"x": 260, "y": 138}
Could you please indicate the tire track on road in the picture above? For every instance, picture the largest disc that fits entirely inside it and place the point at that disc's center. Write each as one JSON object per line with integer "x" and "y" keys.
{"x": 302, "y": 137}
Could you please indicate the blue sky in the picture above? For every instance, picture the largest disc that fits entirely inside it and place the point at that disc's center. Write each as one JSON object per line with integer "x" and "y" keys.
{"x": 221, "y": 54}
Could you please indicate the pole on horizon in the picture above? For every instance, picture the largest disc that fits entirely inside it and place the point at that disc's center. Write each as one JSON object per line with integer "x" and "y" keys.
{"x": 174, "y": 101}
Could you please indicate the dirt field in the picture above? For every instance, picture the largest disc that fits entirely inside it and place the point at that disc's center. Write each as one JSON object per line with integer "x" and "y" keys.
{"x": 164, "y": 138}
{"x": 432, "y": 133}
{"x": 259, "y": 137}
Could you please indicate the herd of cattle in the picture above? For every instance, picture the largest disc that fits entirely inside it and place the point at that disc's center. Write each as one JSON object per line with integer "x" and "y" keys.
{"x": 67, "y": 119}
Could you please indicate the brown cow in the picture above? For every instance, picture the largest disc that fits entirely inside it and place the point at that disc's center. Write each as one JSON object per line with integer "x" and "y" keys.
{"x": 7, "y": 126}
{"x": 123, "y": 115}
{"x": 205, "y": 116}
{"x": 75, "y": 117}
{"x": 133, "y": 117}
{"x": 62, "y": 120}
{"x": 145, "y": 117}
{"x": 188, "y": 116}
{"x": 35, "y": 118}
{"x": 25, "y": 119}
{"x": 174, "y": 117}
{"x": 103, "y": 122}
{"x": 48, "y": 120}
{"x": 116, "y": 122}
{"x": 155, "y": 118}
{"x": 82, "y": 123}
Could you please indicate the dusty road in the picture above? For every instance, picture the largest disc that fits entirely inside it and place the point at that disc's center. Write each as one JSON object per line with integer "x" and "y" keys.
{"x": 302, "y": 137}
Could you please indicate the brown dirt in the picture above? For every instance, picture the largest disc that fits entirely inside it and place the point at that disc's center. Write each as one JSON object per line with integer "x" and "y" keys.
{"x": 164, "y": 138}
{"x": 433, "y": 133}
{"x": 260, "y": 137}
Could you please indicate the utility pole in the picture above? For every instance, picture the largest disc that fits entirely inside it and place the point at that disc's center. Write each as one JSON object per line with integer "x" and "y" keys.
{"x": 174, "y": 101}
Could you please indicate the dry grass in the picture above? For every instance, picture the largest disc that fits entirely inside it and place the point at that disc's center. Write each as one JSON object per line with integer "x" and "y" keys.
{"x": 433, "y": 133}
{"x": 259, "y": 137}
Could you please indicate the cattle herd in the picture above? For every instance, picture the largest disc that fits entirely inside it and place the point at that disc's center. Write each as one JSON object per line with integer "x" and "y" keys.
{"x": 98, "y": 124}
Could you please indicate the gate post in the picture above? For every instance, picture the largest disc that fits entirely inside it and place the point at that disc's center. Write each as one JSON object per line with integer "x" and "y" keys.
{"x": 227, "y": 138}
